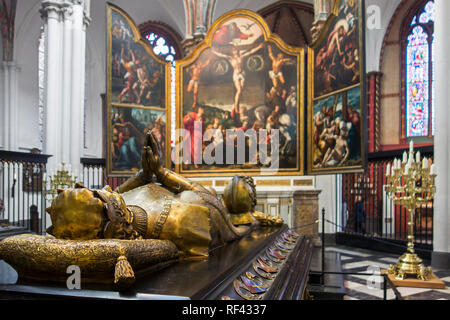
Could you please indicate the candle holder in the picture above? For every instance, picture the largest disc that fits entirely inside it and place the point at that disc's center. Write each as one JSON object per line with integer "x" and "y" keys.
{"x": 61, "y": 180}
{"x": 411, "y": 184}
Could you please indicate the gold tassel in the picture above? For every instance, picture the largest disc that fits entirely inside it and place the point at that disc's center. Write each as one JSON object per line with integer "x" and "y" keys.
{"x": 124, "y": 274}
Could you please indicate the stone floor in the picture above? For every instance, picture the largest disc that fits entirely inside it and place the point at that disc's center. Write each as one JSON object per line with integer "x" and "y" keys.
{"x": 370, "y": 287}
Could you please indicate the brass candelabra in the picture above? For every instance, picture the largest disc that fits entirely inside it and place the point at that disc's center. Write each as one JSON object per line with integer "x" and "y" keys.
{"x": 62, "y": 179}
{"x": 410, "y": 183}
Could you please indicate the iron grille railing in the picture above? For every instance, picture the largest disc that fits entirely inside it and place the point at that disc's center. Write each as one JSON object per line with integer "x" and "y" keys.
{"x": 22, "y": 200}
{"x": 95, "y": 175}
{"x": 380, "y": 217}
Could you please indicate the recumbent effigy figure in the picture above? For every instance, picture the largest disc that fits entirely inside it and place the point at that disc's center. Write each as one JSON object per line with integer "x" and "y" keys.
{"x": 109, "y": 233}
{"x": 179, "y": 210}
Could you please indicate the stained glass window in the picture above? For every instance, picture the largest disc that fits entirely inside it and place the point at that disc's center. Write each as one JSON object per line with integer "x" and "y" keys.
{"x": 420, "y": 74}
{"x": 428, "y": 13}
{"x": 161, "y": 46}
{"x": 417, "y": 94}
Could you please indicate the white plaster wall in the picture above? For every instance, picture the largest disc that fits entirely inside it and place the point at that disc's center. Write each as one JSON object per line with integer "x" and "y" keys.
{"x": 375, "y": 36}
{"x": 28, "y": 23}
{"x": 327, "y": 200}
{"x": 95, "y": 75}
{"x": 225, "y": 6}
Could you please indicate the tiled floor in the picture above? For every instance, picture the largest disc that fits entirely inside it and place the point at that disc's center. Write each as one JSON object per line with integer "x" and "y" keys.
{"x": 370, "y": 287}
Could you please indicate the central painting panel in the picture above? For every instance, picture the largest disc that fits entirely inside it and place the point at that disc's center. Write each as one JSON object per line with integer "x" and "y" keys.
{"x": 237, "y": 106}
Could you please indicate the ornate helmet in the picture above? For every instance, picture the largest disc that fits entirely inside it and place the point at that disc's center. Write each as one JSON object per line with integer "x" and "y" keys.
{"x": 240, "y": 195}
{"x": 84, "y": 214}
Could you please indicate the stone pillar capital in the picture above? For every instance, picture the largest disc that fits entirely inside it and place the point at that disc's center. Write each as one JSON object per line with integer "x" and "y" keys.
{"x": 199, "y": 15}
{"x": 375, "y": 74}
{"x": 51, "y": 10}
{"x": 66, "y": 11}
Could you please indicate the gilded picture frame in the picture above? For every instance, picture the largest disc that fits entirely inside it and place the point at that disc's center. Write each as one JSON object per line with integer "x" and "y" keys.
{"x": 336, "y": 96}
{"x": 138, "y": 97}
{"x": 232, "y": 81}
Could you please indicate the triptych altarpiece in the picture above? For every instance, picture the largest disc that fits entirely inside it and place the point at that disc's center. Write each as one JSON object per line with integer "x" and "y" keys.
{"x": 246, "y": 102}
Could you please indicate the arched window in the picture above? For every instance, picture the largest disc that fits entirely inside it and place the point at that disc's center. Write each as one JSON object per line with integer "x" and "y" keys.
{"x": 161, "y": 46}
{"x": 164, "y": 40}
{"x": 419, "y": 72}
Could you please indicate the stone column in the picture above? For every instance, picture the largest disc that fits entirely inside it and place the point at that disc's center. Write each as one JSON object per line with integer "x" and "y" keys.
{"x": 78, "y": 80}
{"x": 305, "y": 211}
{"x": 66, "y": 89}
{"x": 65, "y": 25}
{"x": 51, "y": 14}
{"x": 8, "y": 77}
{"x": 441, "y": 221}
{"x": 199, "y": 15}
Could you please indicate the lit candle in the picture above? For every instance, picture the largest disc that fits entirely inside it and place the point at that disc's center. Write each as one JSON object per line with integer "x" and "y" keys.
{"x": 418, "y": 157}
{"x": 425, "y": 163}
{"x": 392, "y": 171}
{"x": 411, "y": 146}
{"x": 432, "y": 169}
{"x": 405, "y": 157}
{"x": 388, "y": 170}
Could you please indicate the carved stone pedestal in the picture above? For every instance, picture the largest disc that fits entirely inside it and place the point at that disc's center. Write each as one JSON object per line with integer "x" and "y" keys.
{"x": 306, "y": 211}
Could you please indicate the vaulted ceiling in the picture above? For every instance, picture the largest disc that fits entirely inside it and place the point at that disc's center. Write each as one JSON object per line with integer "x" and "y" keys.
{"x": 172, "y": 11}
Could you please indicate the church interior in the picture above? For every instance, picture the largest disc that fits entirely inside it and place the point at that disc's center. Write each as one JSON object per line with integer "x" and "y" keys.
{"x": 224, "y": 150}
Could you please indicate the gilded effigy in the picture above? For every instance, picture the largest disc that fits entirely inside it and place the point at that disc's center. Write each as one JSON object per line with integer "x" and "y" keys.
{"x": 155, "y": 216}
